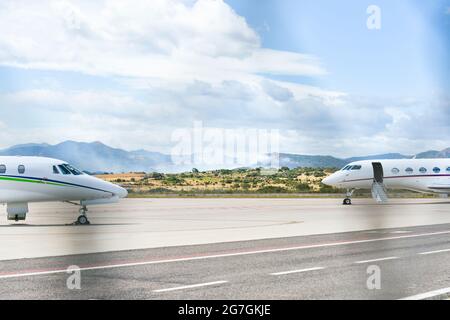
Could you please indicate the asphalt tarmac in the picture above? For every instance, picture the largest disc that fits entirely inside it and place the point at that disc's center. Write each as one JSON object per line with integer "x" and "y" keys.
{"x": 154, "y": 223}
{"x": 230, "y": 249}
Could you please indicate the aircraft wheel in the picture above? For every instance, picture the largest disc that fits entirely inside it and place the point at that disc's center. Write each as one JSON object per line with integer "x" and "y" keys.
{"x": 347, "y": 201}
{"x": 83, "y": 220}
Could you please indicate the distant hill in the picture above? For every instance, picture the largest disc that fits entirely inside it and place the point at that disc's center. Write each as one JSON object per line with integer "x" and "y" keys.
{"x": 98, "y": 157}
{"x": 93, "y": 157}
{"x": 297, "y": 160}
{"x": 380, "y": 157}
{"x": 434, "y": 154}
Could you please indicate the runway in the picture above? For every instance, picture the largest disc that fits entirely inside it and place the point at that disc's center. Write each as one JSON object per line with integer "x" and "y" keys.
{"x": 232, "y": 249}
{"x": 413, "y": 262}
{"x": 153, "y": 223}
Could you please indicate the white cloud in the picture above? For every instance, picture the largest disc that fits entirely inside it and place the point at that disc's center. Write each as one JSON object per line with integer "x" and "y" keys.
{"x": 308, "y": 123}
{"x": 164, "y": 39}
{"x": 277, "y": 92}
{"x": 193, "y": 59}
{"x": 179, "y": 62}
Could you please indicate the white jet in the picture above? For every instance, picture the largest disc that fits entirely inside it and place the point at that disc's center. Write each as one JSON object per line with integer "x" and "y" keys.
{"x": 420, "y": 175}
{"x": 37, "y": 179}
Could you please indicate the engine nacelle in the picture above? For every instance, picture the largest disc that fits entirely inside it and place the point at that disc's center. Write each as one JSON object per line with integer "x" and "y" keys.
{"x": 17, "y": 211}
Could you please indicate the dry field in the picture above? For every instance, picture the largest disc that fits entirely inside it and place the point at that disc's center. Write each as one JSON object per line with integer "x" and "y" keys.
{"x": 224, "y": 181}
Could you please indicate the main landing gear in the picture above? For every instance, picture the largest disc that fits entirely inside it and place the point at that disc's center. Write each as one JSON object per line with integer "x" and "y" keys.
{"x": 82, "y": 219}
{"x": 348, "y": 197}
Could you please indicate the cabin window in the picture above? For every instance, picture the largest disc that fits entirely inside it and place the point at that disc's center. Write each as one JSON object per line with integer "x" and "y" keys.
{"x": 55, "y": 170}
{"x": 357, "y": 167}
{"x": 436, "y": 170}
{"x": 21, "y": 169}
{"x": 63, "y": 169}
{"x": 395, "y": 170}
{"x": 448, "y": 169}
{"x": 423, "y": 170}
{"x": 2, "y": 168}
{"x": 409, "y": 170}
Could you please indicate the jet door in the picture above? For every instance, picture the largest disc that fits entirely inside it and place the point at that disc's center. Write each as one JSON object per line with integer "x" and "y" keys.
{"x": 377, "y": 172}
{"x": 378, "y": 188}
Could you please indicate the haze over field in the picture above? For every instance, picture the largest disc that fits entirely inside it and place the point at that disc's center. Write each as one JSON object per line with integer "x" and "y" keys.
{"x": 98, "y": 157}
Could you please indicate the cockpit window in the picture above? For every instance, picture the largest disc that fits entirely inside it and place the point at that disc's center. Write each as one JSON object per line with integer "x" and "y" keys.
{"x": 73, "y": 170}
{"x": 55, "y": 170}
{"x": 357, "y": 167}
{"x": 63, "y": 169}
{"x": 68, "y": 169}
{"x": 346, "y": 167}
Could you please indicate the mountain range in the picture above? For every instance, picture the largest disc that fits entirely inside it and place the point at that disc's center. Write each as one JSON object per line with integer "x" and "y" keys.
{"x": 93, "y": 157}
{"x": 98, "y": 157}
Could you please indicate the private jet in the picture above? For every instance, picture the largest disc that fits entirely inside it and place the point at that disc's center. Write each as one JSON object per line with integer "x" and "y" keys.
{"x": 38, "y": 179}
{"x": 420, "y": 175}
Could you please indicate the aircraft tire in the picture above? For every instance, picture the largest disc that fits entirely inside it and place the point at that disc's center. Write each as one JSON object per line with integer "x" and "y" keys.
{"x": 83, "y": 220}
{"x": 347, "y": 202}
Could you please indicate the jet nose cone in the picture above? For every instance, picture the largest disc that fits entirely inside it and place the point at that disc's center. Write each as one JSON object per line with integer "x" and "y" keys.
{"x": 329, "y": 181}
{"x": 118, "y": 191}
{"x": 122, "y": 192}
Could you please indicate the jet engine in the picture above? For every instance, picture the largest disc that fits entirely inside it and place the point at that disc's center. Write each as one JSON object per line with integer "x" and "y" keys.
{"x": 17, "y": 211}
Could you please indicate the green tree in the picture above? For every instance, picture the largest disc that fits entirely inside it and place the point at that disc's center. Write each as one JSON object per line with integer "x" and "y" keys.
{"x": 302, "y": 187}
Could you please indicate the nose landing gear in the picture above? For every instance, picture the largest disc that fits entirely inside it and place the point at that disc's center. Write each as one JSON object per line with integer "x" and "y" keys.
{"x": 348, "y": 198}
{"x": 82, "y": 219}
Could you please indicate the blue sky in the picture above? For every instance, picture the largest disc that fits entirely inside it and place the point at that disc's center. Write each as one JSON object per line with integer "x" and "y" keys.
{"x": 131, "y": 75}
{"x": 409, "y": 54}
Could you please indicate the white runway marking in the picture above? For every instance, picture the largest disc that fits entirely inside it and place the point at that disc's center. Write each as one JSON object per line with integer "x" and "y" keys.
{"x": 143, "y": 263}
{"x": 296, "y": 271}
{"x": 437, "y": 251}
{"x": 375, "y": 260}
{"x": 388, "y": 232}
{"x": 428, "y": 295}
{"x": 191, "y": 286}
{"x": 29, "y": 274}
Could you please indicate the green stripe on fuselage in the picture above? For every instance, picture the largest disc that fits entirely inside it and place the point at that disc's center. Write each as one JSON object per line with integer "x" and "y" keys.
{"x": 32, "y": 181}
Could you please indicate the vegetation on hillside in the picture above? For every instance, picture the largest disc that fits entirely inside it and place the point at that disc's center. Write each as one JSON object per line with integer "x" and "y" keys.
{"x": 225, "y": 181}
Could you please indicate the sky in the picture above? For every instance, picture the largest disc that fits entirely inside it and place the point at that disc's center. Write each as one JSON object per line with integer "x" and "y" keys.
{"x": 131, "y": 75}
